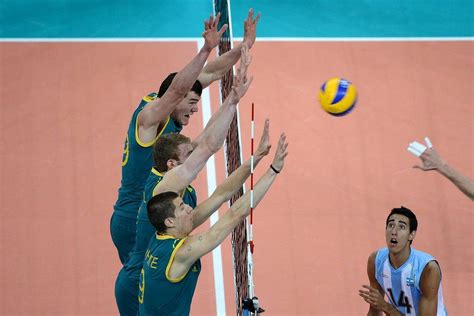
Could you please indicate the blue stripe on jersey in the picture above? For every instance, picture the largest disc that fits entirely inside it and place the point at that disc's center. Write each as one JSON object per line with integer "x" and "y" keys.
{"x": 402, "y": 285}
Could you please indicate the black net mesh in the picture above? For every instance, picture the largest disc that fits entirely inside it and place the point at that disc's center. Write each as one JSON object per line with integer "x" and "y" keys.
{"x": 239, "y": 235}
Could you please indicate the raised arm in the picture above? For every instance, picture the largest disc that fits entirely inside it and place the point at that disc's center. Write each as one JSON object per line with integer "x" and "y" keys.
{"x": 177, "y": 179}
{"x": 233, "y": 183}
{"x": 429, "y": 286}
{"x": 241, "y": 75}
{"x": 158, "y": 110}
{"x": 217, "y": 68}
{"x": 431, "y": 160}
{"x": 374, "y": 295}
{"x": 197, "y": 246}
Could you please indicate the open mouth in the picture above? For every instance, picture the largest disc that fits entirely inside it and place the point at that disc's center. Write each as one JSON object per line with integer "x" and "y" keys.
{"x": 393, "y": 241}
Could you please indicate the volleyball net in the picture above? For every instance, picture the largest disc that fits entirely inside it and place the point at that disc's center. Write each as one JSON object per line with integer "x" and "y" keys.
{"x": 242, "y": 257}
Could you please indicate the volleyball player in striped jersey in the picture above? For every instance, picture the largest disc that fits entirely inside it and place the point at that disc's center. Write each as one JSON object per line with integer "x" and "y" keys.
{"x": 411, "y": 279}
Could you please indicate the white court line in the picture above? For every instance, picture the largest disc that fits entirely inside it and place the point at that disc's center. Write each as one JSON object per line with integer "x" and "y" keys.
{"x": 360, "y": 39}
{"x": 211, "y": 186}
{"x": 259, "y": 39}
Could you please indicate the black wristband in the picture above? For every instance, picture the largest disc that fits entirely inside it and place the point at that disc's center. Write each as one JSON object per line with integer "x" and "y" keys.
{"x": 274, "y": 170}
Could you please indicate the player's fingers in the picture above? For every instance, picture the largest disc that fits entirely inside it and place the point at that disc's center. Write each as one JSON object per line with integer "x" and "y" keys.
{"x": 250, "y": 15}
{"x": 248, "y": 60}
{"x": 414, "y": 151}
{"x": 222, "y": 30}
{"x": 369, "y": 288}
{"x": 249, "y": 81}
{"x": 266, "y": 125}
{"x": 257, "y": 18}
{"x": 428, "y": 142}
{"x": 420, "y": 147}
{"x": 216, "y": 21}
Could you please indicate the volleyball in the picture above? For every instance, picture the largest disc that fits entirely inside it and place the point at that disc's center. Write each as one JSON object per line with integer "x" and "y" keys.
{"x": 338, "y": 96}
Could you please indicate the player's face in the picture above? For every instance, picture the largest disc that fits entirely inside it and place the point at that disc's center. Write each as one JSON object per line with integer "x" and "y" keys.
{"x": 187, "y": 107}
{"x": 184, "y": 151}
{"x": 397, "y": 233}
{"x": 183, "y": 217}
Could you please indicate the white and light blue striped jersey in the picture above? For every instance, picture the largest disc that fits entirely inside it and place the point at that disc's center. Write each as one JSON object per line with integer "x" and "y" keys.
{"x": 402, "y": 285}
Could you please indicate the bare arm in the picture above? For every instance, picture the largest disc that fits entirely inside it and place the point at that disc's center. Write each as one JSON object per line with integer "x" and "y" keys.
{"x": 241, "y": 76}
{"x": 431, "y": 160}
{"x": 199, "y": 245}
{"x": 233, "y": 183}
{"x": 158, "y": 110}
{"x": 374, "y": 294}
{"x": 177, "y": 179}
{"x": 429, "y": 286}
{"x": 217, "y": 68}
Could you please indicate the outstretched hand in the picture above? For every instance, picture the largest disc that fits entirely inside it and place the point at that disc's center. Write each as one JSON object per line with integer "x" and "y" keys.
{"x": 431, "y": 160}
{"x": 241, "y": 81}
{"x": 211, "y": 35}
{"x": 250, "y": 29}
{"x": 280, "y": 153}
{"x": 264, "y": 145}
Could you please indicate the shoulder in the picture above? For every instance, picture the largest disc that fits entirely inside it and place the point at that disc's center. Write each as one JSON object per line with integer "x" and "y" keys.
{"x": 422, "y": 255}
{"x": 430, "y": 279}
{"x": 371, "y": 268}
{"x": 150, "y": 97}
{"x": 431, "y": 270}
{"x": 379, "y": 254}
{"x": 372, "y": 257}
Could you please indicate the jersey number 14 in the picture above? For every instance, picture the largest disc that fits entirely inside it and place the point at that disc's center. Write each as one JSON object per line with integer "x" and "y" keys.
{"x": 402, "y": 300}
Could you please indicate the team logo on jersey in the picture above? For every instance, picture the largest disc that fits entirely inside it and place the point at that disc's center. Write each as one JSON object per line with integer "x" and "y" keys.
{"x": 410, "y": 281}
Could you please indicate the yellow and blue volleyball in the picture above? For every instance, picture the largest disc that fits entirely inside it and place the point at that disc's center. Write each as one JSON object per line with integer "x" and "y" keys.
{"x": 338, "y": 96}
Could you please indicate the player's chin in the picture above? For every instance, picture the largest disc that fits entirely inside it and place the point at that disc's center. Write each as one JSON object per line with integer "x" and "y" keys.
{"x": 185, "y": 120}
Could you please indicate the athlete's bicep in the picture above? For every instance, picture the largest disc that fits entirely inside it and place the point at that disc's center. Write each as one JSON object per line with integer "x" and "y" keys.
{"x": 158, "y": 110}
{"x": 371, "y": 272}
{"x": 429, "y": 286}
{"x": 199, "y": 245}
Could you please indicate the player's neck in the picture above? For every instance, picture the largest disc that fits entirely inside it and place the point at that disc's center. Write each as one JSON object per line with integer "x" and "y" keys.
{"x": 175, "y": 233}
{"x": 398, "y": 259}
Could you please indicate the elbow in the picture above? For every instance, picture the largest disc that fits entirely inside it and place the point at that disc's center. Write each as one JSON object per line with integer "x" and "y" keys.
{"x": 179, "y": 92}
{"x": 214, "y": 143}
{"x": 178, "y": 89}
{"x": 239, "y": 213}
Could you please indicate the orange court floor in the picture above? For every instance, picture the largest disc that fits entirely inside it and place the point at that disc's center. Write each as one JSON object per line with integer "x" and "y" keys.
{"x": 65, "y": 110}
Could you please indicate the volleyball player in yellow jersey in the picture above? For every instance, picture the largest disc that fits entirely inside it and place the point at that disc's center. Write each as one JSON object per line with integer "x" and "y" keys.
{"x": 164, "y": 112}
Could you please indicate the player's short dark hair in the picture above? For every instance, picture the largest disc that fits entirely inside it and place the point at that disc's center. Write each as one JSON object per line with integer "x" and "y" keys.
{"x": 412, "y": 221}
{"x": 159, "y": 208}
{"x": 165, "y": 148}
{"x": 197, "y": 86}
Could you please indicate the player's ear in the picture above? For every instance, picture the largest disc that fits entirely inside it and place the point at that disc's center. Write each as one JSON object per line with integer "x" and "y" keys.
{"x": 412, "y": 235}
{"x": 169, "y": 222}
{"x": 171, "y": 163}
